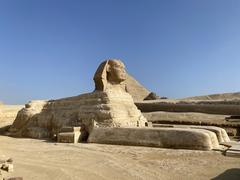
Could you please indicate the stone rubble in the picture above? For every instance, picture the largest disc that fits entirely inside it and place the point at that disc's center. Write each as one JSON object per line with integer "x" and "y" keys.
{"x": 7, "y": 166}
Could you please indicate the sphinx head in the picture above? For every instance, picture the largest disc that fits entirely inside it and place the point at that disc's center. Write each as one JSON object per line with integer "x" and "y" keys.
{"x": 110, "y": 72}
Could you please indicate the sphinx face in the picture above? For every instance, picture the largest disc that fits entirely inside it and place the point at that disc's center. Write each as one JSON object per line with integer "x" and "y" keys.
{"x": 116, "y": 72}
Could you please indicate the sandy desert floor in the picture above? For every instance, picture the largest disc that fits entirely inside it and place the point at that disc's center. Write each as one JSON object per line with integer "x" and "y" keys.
{"x": 43, "y": 160}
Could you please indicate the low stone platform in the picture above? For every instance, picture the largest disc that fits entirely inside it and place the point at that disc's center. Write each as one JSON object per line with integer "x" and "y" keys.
{"x": 234, "y": 150}
{"x": 178, "y": 138}
{"x": 231, "y": 153}
{"x": 220, "y": 132}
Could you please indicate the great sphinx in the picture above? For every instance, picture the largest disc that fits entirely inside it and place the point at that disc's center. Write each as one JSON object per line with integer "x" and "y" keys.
{"x": 109, "y": 105}
{"x": 108, "y": 115}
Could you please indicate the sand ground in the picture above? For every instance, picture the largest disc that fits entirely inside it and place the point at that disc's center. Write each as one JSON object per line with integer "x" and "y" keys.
{"x": 43, "y": 160}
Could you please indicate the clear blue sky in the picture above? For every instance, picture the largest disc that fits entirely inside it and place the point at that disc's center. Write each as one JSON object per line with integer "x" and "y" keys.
{"x": 51, "y": 48}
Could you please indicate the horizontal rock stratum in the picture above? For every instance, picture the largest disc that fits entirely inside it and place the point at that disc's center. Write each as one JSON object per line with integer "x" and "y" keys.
{"x": 211, "y": 107}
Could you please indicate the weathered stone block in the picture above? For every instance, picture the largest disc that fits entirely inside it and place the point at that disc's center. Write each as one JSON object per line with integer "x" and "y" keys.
{"x": 220, "y": 132}
{"x": 179, "y": 138}
{"x": 7, "y": 167}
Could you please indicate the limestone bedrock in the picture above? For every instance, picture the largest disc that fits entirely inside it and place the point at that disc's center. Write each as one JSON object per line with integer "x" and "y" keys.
{"x": 109, "y": 105}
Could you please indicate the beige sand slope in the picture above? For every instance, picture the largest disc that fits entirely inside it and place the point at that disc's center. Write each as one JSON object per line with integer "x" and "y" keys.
{"x": 8, "y": 113}
{"x": 224, "y": 96}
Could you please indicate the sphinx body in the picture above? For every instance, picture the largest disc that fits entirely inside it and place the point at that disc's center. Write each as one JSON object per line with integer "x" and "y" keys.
{"x": 109, "y": 105}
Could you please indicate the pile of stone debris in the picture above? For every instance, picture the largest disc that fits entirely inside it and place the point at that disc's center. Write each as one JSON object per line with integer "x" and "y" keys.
{"x": 7, "y": 166}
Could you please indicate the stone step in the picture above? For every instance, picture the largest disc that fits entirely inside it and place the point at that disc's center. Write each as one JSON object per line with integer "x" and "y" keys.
{"x": 68, "y": 137}
{"x": 70, "y": 129}
{"x": 178, "y": 138}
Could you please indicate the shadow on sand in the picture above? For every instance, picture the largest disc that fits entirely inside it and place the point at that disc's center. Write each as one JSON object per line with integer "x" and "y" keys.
{"x": 230, "y": 174}
{"x": 4, "y": 129}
